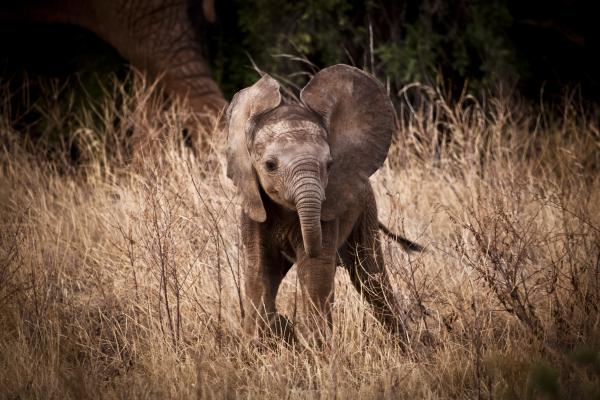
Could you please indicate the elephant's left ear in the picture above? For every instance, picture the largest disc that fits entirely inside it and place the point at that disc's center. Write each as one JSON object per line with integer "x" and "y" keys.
{"x": 360, "y": 119}
{"x": 259, "y": 98}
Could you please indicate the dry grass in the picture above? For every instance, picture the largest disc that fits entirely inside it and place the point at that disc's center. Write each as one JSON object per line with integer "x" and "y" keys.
{"x": 121, "y": 277}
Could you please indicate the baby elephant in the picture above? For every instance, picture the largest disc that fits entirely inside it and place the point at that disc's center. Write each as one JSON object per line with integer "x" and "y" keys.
{"x": 303, "y": 174}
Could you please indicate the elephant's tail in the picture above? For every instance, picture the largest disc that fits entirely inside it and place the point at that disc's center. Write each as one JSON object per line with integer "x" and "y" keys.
{"x": 406, "y": 244}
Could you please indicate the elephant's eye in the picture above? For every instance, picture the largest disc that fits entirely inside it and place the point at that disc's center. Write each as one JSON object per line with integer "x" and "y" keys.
{"x": 271, "y": 165}
{"x": 329, "y": 163}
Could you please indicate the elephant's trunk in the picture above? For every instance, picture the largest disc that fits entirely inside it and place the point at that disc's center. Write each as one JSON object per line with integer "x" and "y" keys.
{"x": 308, "y": 196}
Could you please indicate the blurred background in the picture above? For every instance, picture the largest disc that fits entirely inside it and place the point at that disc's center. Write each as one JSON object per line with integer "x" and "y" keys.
{"x": 539, "y": 49}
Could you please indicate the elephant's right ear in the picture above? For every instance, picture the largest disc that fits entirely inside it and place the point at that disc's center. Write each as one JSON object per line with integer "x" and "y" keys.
{"x": 246, "y": 105}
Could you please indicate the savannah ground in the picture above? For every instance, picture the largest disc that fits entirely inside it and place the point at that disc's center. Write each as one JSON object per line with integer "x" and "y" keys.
{"x": 121, "y": 275}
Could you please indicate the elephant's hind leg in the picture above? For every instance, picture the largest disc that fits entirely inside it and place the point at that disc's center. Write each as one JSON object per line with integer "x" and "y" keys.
{"x": 363, "y": 257}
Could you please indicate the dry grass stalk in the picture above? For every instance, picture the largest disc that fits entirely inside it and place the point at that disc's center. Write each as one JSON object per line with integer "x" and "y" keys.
{"x": 122, "y": 276}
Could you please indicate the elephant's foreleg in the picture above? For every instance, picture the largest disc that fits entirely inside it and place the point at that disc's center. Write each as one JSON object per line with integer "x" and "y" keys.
{"x": 316, "y": 276}
{"x": 261, "y": 285}
{"x": 265, "y": 270}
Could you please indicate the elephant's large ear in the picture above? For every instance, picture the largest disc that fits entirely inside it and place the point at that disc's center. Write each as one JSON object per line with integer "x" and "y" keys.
{"x": 360, "y": 119}
{"x": 246, "y": 105}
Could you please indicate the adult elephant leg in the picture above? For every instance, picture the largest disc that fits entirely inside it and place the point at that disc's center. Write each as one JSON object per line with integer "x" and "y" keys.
{"x": 264, "y": 273}
{"x": 363, "y": 257}
{"x": 160, "y": 38}
{"x": 316, "y": 276}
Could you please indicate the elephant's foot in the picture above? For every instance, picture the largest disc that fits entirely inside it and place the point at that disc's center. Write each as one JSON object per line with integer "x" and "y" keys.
{"x": 282, "y": 328}
{"x": 315, "y": 332}
{"x": 278, "y": 329}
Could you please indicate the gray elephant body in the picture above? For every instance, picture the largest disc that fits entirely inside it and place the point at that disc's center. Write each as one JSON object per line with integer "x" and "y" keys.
{"x": 350, "y": 240}
{"x": 303, "y": 173}
{"x": 156, "y": 36}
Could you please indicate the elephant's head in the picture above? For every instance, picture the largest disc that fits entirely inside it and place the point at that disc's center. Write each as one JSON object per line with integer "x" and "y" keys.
{"x": 314, "y": 158}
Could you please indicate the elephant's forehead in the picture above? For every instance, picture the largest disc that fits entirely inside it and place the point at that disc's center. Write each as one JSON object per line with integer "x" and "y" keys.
{"x": 292, "y": 128}
{"x": 288, "y": 132}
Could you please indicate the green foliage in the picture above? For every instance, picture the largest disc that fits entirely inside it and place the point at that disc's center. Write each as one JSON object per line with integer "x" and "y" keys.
{"x": 411, "y": 41}
{"x": 272, "y": 30}
{"x": 308, "y": 27}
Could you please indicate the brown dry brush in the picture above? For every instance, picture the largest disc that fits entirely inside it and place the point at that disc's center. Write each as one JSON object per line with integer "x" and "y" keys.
{"x": 502, "y": 215}
{"x": 528, "y": 224}
{"x": 122, "y": 274}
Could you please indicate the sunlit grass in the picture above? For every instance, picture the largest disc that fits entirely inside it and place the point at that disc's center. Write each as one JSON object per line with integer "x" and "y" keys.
{"x": 122, "y": 276}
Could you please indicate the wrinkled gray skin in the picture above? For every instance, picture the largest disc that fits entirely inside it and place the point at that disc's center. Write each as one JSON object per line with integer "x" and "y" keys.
{"x": 302, "y": 171}
{"x": 156, "y": 36}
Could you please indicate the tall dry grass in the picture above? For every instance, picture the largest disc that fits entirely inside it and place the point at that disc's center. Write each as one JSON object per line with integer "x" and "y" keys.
{"x": 122, "y": 276}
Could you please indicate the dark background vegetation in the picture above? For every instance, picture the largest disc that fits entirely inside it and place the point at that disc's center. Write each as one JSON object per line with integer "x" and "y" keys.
{"x": 535, "y": 47}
